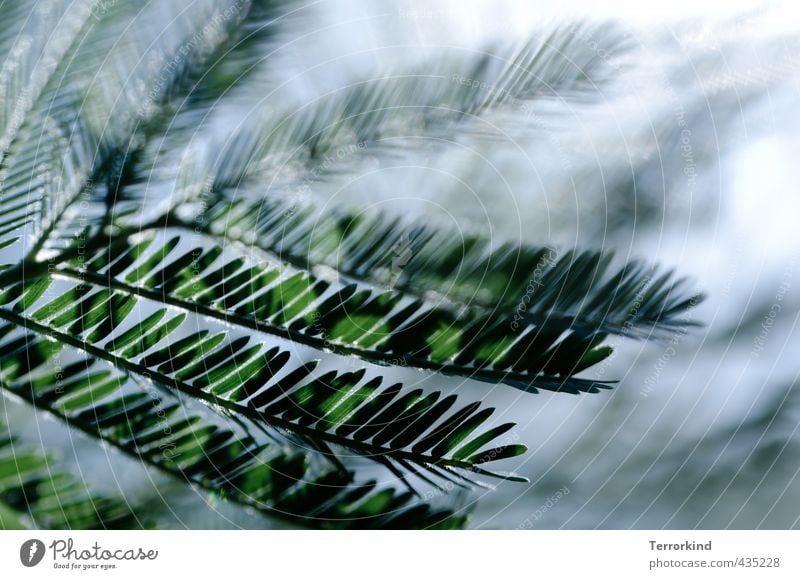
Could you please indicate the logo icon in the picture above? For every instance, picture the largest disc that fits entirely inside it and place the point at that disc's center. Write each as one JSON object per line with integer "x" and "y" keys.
{"x": 31, "y": 553}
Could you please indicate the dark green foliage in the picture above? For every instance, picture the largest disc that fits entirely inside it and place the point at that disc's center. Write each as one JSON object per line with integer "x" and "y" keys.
{"x": 50, "y": 499}
{"x": 145, "y": 273}
{"x": 241, "y": 375}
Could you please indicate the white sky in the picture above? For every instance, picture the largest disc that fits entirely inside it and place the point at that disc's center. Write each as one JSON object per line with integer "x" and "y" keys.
{"x": 477, "y": 17}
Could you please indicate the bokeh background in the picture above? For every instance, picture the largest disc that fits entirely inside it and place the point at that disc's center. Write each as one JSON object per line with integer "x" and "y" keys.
{"x": 684, "y": 153}
{"x": 681, "y": 147}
